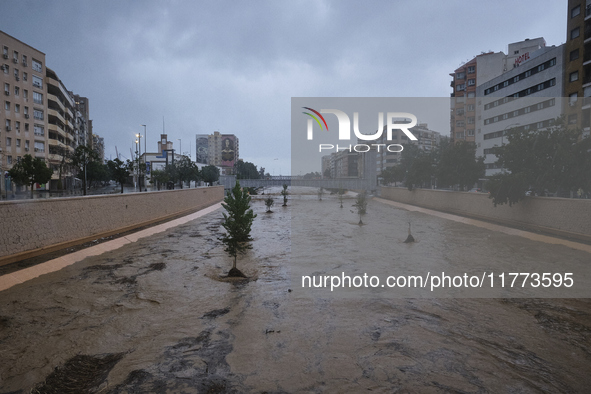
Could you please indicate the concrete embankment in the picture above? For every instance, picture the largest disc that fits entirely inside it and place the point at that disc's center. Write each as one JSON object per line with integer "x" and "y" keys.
{"x": 560, "y": 216}
{"x": 33, "y": 227}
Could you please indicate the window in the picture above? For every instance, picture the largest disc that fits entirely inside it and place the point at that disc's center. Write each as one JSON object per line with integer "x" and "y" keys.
{"x": 9, "y": 159}
{"x": 460, "y": 135}
{"x": 26, "y": 110}
{"x": 8, "y": 141}
{"x": 15, "y": 71}
{"x": 574, "y": 33}
{"x": 574, "y": 55}
{"x": 471, "y": 82}
{"x": 527, "y": 73}
{"x": 471, "y": 120}
{"x": 7, "y": 123}
{"x": 7, "y": 88}
{"x": 516, "y": 52}
{"x": 460, "y": 111}
{"x": 470, "y": 107}
{"x": 6, "y": 69}
{"x": 572, "y": 98}
{"x": 18, "y": 143}
{"x": 25, "y": 60}
{"x": 26, "y": 127}
{"x": 37, "y": 82}
{"x": 25, "y": 94}
{"x": 461, "y": 75}
{"x": 461, "y": 87}
{"x": 471, "y": 69}
{"x": 5, "y": 51}
{"x": 470, "y": 133}
{"x": 17, "y": 91}
{"x": 516, "y": 79}
{"x": 7, "y": 105}
{"x": 574, "y": 76}
{"x": 505, "y": 84}
{"x": 38, "y": 114}
{"x": 39, "y": 130}
{"x": 27, "y": 145}
{"x": 17, "y": 108}
{"x": 37, "y": 66}
{"x": 15, "y": 56}
{"x": 25, "y": 76}
{"x": 37, "y": 98}
{"x": 575, "y": 11}
{"x": 471, "y": 94}
{"x": 460, "y": 123}
{"x": 39, "y": 147}
{"x": 541, "y": 67}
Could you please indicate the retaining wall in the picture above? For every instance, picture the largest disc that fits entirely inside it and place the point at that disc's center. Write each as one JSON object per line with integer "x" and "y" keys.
{"x": 561, "y": 216}
{"x": 33, "y": 227}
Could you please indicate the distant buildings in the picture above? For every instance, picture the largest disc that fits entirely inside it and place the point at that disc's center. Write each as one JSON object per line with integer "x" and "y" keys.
{"x": 220, "y": 150}
{"x": 40, "y": 116}
{"x": 347, "y": 164}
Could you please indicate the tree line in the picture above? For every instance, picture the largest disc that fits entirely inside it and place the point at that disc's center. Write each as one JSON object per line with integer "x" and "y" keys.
{"x": 86, "y": 163}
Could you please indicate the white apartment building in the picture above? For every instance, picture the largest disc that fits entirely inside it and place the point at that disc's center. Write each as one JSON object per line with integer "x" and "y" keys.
{"x": 526, "y": 97}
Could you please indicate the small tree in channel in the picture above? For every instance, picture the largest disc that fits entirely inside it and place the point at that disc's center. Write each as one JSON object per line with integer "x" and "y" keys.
{"x": 237, "y": 223}
{"x": 284, "y": 193}
{"x": 269, "y": 203}
{"x": 361, "y": 205}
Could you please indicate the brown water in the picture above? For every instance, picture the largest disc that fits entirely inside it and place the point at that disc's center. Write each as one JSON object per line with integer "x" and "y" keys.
{"x": 181, "y": 328}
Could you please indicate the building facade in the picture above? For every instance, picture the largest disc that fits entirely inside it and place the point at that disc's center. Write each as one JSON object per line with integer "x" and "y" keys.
{"x": 527, "y": 97}
{"x": 577, "y": 73}
{"x": 23, "y": 120}
{"x": 220, "y": 150}
{"x": 477, "y": 71}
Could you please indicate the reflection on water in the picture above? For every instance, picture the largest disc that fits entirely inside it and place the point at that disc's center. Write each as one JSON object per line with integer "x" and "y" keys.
{"x": 159, "y": 303}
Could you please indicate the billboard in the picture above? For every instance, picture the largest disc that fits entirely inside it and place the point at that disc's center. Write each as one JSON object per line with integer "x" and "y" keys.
{"x": 228, "y": 150}
{"x": 201, "y": 148}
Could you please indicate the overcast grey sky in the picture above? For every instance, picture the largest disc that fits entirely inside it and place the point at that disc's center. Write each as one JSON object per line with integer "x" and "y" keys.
{"x": 233, "y": 66}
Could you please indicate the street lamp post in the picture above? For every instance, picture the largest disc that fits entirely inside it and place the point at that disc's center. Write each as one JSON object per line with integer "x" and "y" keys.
{"x": 180, "y": 146}
{"x": 139, "y": 160}
{"x": 145, "y": 153}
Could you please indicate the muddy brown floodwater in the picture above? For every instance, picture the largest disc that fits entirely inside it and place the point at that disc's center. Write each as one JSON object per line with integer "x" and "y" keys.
{"x": 155, "y": 317}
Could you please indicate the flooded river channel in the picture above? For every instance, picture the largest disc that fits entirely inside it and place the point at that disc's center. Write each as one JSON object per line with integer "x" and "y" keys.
{"x": 156, "y": 316}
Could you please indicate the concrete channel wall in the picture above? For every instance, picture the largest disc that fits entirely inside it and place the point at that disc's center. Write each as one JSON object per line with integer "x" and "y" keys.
{"x": 561, "y": 216}
{"x": 33, "y": 227}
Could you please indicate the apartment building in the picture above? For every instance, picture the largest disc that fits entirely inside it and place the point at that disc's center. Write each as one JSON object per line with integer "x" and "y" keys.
{"x": 480, "y": 69}
{"x": 40, "y": 117}
{"x": 221, "y": 150}
{"x": 527, "y": 97}
{"x": 23, "y": 124}
{"x": 577, "y": 73}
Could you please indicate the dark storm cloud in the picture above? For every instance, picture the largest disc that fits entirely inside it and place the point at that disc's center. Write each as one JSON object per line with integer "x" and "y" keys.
{"x": 234, "y": 66}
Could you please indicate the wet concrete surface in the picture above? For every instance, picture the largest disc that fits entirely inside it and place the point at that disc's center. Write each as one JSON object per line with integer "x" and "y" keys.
{"x": 161, "y": 309}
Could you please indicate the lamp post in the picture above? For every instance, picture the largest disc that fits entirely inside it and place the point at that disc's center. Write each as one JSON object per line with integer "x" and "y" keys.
{"x": 145, "y": 153}
{"x": 136, "y": 167}
{"x": 139, "y": 160}
{"x": 180, "y": 146}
